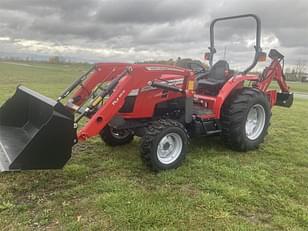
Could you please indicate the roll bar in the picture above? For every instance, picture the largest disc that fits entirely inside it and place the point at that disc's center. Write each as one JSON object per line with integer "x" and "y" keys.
{"x": 258, "y": 38}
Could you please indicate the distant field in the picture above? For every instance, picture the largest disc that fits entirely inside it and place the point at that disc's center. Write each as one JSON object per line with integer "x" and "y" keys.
{"x": 295, "y": 87}
{"x": 49, "y": 79}
{"x": 104, "y": 188}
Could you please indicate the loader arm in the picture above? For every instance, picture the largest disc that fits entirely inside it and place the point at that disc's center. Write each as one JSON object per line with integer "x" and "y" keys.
{"x": 101, "y": 73}
{"x": 111, "y": 107}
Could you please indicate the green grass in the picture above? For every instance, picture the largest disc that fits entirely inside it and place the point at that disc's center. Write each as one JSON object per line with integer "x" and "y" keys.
{"x": 104, "y": 188}
{"x": 294, "y": 86}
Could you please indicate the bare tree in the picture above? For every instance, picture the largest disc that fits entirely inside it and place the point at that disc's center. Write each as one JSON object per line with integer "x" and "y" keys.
{"x": 300, "y": 69}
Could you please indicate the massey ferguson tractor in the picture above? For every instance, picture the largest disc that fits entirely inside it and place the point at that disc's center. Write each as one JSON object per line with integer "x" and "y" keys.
{"x": 164, "y": 105}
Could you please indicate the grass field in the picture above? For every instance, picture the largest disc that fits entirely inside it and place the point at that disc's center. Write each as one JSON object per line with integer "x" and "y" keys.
{"x": 295, "y": 87}
{"x": 105, "y": 188}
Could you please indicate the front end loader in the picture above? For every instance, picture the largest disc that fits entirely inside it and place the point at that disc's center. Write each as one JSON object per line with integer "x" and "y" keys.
{"x": 162, "y": 104}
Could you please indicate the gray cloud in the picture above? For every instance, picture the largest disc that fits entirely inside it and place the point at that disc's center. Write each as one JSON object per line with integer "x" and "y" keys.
{"x": 286, "y": 19}
{"x": 138, "y": 29}
{"x": 140, "y": 11}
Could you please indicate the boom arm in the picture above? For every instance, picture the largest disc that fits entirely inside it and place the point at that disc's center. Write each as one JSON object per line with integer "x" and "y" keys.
{"x": 273, "y": 72}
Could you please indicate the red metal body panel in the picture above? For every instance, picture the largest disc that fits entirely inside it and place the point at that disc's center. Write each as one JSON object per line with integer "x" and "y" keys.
{"x": 146, "y": 101}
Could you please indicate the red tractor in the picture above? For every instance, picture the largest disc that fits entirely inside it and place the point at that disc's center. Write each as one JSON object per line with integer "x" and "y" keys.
{"x": 164, "y": 105}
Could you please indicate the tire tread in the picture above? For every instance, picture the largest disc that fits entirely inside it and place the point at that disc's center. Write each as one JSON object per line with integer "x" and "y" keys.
{"x": 234, "y": 112}
{"x": 148, "y": 140}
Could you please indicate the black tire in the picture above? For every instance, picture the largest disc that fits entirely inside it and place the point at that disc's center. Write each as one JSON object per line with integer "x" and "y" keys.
{"x": 154, "y": 134}
{"x": 109, "y": 137}
{"x": 234, "y": 116}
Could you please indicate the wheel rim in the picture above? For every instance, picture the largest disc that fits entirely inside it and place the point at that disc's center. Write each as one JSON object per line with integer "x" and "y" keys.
{"x": 119, "y": 134}
{"x": 169, "y": 148}
{"x": 255, "y": 122}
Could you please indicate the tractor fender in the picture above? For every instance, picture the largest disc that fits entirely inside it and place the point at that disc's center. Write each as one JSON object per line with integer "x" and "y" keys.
{"x": 232, "y": 84}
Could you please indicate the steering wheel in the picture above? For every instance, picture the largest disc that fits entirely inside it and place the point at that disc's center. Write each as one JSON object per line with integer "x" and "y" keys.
{"x": 201, "y": 74}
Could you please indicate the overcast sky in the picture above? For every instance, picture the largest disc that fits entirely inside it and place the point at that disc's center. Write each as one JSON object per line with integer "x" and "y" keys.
{"x": 135, "y": 30}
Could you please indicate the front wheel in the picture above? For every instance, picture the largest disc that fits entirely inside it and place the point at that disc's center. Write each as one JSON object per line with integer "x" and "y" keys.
{"x": 245, "y": 119}
{"x": 115, "y": 137}
{"x": 164, "y": 145}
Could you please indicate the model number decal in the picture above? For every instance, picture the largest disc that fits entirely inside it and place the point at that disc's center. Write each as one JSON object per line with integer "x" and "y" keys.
{"x": 114, "y": 102}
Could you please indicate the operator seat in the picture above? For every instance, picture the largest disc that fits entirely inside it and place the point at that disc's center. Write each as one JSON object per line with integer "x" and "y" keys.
{"x": 215, "y": 79}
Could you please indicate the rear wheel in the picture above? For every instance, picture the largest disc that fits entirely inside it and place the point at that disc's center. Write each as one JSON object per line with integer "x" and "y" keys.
{"x": 245, "y": 119}
{"x": 164, "y": 145}
{"x": 114, "y": 137}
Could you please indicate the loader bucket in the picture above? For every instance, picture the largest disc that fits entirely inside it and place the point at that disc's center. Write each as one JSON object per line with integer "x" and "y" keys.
{"x": 36, "y": 132}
